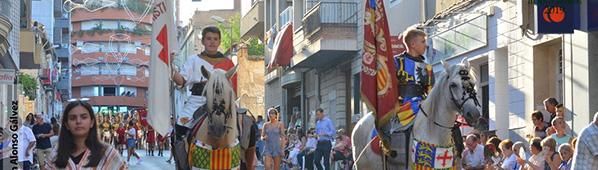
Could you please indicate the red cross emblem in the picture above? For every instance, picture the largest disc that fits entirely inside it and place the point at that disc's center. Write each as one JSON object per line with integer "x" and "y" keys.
{"x": 444, "y": 158}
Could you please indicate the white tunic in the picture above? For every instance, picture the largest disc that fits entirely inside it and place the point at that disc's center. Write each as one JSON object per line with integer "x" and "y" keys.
{"x": 191, "y": 72}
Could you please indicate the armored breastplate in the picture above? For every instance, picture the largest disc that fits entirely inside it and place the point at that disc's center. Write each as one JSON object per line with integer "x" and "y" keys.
{"x": 413, "y": 76}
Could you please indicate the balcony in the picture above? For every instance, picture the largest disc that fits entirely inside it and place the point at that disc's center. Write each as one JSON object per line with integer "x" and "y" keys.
{"x": 79, "y": 15}
{"x": 94, "y": 80}
{"x": 252, "y": 24}
{"x": 44, "y": 74}
{"x": 5, "y": 27}
{"x": 62, "y": 23}
{"x": 117, "y": 101}
{"x": 63, "y": 53}
{"x": 329, "y": 34}
{"x": 290, "y": 78}
{"x": 286, "y": 16}
{"x": 63, "y": 84}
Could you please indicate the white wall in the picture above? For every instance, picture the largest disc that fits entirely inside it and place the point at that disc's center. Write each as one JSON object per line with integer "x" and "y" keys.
{"x": 401, "y": 15}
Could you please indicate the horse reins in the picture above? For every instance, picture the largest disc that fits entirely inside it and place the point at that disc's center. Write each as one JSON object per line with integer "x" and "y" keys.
{"x": 468, "y": 91}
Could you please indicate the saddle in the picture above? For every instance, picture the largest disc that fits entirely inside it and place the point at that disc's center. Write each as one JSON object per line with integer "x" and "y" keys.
{"x": 401, "y": 126}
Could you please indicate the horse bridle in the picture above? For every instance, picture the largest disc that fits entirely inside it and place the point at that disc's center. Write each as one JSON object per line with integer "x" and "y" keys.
{"x": 219, "y": 108}
{"x": 469, "y": 93}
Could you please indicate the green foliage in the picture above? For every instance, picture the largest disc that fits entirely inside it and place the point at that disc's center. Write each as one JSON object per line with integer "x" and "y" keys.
{"x": 139, "y": 30}
{"x": 136, "y": 6}
{"x": 233, "y": 24}
{"x": 29, "y": 85}
{"x": 255, "y": 48}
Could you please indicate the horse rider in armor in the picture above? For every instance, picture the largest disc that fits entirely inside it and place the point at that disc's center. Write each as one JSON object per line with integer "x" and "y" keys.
{"x": 415, "y": 80}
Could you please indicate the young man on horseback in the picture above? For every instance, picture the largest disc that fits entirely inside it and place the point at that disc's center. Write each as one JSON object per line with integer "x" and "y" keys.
{"x": 415, "y": 80}
{"x": 190, "y": 76}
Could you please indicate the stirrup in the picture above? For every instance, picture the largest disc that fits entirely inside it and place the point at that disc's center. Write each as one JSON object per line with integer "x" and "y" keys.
{"x": 386, "y": 149}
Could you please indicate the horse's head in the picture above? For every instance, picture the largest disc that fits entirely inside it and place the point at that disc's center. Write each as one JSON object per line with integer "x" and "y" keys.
{"x": 221, "y": 108}
{"x": 462, "y": 91}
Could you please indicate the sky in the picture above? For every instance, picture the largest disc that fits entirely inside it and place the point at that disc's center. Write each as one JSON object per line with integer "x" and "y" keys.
{"x": 188, "y": 7}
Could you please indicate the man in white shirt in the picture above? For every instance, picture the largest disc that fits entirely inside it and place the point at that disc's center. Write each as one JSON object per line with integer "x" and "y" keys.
{"x": 473, "y": 156}
{"x": 26, "y": 144}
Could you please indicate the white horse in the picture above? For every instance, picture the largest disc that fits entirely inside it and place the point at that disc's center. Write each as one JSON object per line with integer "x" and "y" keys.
{"x": 217, "y": 133}
{"x": 452, "y": 94}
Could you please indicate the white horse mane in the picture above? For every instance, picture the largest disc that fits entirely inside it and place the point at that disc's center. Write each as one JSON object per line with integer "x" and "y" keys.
{"x": 218, "y": 82}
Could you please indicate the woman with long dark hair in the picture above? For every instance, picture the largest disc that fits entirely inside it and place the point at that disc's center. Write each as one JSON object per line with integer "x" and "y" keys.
{"x": 78, "y": 144}
{"x": 29, "y": 120}
{"x": 272, "y": 133}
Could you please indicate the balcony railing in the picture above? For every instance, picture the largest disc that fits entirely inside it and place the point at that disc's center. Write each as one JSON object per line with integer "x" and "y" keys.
{"x": 335, "y": 14}
{"x": 286, "y": 16}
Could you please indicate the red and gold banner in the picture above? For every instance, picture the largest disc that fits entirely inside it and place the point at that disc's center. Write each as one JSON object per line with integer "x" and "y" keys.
{"x": 378, "y": 83}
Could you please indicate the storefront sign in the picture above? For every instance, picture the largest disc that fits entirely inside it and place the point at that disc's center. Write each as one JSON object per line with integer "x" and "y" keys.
{"x": 556, "y": 16}
{"x": 7, "y": 76}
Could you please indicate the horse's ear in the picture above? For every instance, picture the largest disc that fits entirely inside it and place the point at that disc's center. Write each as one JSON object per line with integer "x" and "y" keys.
{"x": 232, "y": 71}
{"x": 205, "y": 72}
{"x": 445, "y": 65}
{"x": 465, "y": 62}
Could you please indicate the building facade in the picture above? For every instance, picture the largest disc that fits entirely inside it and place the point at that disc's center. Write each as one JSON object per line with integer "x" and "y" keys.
{"x": 323, "y": 71}
{"x": 517, "y": 67}
{"x": 9, "y": 53}
{"x": 110, "y": 59}
{"x": 250, "y": 75}
{"x": 49, "y": 16}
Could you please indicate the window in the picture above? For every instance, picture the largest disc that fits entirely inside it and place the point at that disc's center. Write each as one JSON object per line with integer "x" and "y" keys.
{"x": 89, "y": 25}
{"x": 127, "y": 91}
{"x": 91, "y": 48}
{"x": 356, "y": 94}
{"x": 110, "y": 47}
{"x": 109, "y": 91}
{"x": 127, "y": 48}
{"x": 128, "y": 70}
{"x": 109, "y": 25}
{"x": 310, "y": 4}
{"x": 86, "y": 70}
{"x": 90, "y": 91}
{"x": 127, "y": 25}
{"x": 109, "y": 69}
{"x": 485, "y": 87}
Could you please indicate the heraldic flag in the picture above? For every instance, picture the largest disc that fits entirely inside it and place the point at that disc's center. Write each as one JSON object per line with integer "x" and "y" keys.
{"x": 163, "y": 39}
{"x": 378, "y": 85}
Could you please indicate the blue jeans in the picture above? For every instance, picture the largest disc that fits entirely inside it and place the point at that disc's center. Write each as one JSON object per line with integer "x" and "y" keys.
{"x": 259, "y": 145}
{"x": 26, "y": 165}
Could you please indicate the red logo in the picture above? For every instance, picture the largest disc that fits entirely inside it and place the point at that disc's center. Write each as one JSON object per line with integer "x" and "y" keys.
{"x": 554, "y": 14}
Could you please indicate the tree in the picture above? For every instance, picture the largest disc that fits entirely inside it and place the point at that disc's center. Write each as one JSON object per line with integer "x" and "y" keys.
{"x": 232, "y": 25}
{"x": 255, "y": 48}
{"x": 29, "y": 85}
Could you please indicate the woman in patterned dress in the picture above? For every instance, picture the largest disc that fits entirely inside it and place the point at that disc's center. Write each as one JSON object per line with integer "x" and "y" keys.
{"x": 78, "y": 143}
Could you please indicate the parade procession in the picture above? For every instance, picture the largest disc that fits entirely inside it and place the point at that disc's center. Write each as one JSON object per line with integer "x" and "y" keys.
{"x": 299, "y": 84}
